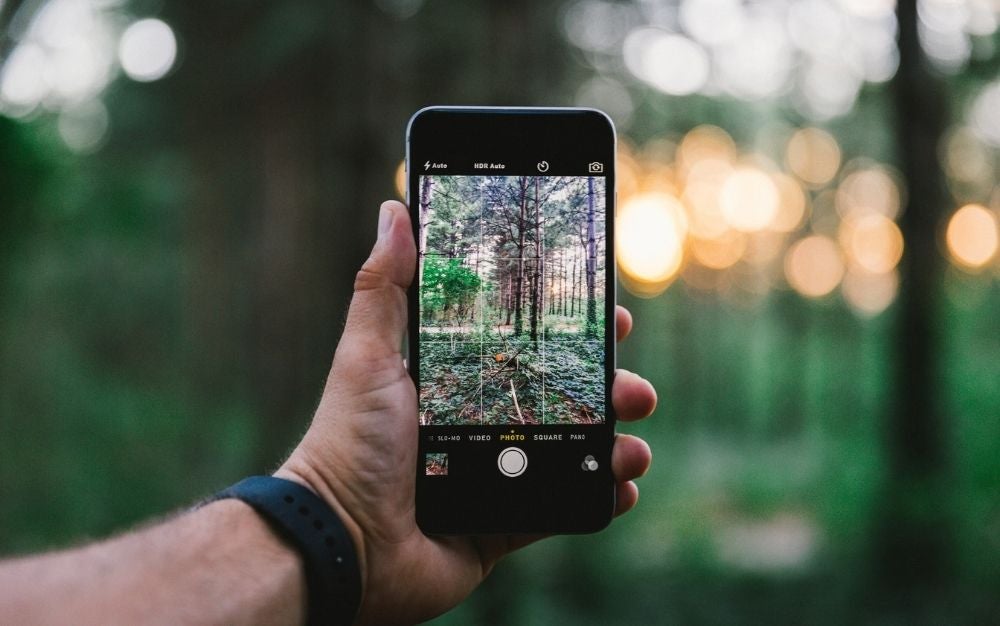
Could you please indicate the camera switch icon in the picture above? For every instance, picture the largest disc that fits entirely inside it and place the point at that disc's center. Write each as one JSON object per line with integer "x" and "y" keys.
{"x": 596, "y": 167}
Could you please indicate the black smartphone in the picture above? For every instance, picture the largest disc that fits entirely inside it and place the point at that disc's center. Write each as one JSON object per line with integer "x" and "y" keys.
{"x": 512, "y": 318}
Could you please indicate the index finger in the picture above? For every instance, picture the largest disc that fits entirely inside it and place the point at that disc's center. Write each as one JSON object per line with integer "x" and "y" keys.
{"x": 623, "y": 322}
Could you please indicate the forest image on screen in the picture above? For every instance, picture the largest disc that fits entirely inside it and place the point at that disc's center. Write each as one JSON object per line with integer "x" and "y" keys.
{"x": 512, "y": 299}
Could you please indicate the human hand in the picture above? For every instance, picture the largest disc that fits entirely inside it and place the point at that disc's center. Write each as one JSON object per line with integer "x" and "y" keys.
{"x": 359, "y": 453}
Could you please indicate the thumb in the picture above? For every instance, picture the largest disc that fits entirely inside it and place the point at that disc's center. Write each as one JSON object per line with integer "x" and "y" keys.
{"x": 376, "y": 319}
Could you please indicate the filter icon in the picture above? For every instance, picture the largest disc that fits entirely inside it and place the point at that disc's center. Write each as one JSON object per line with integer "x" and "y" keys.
{"x": 589, "y": 463}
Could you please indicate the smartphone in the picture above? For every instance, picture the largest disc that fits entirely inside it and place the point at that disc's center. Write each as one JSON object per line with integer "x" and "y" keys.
{"x": 511, "y": 339}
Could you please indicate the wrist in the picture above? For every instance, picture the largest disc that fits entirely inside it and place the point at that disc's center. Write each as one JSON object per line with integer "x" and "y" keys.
{"x": 312, "y": 526}
{"x": 249, "y": 537}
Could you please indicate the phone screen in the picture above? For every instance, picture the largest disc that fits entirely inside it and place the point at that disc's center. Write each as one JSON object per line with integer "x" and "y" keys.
{"x": 511, "y": 320}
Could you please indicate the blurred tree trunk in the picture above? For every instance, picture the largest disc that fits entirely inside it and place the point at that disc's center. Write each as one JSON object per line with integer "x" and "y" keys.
{"x": 8, "y": 11}
{"x": 272, "y": 231}
{"x": 913, "y": 540}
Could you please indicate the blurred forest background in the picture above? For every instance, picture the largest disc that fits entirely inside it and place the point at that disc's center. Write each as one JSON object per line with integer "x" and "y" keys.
{"x": 808, "y": 235}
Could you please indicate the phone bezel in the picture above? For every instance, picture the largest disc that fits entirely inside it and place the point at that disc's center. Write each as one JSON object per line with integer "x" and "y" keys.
{"x": 566, "y": 132}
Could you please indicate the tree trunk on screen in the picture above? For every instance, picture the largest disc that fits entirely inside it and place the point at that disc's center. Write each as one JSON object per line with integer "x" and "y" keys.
{"x": 508, "y": 301}
{"x": 573, "y": 287}
{"x": 536, "y": 282}
{"x": 519, "y": 270}
{"x": 591, "y": 261}
{"x": 426, "y": 189}
{"x": 562, "y": 290}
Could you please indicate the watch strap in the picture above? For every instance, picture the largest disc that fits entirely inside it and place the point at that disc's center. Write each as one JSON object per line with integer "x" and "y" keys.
{"x": 303, "y": 519}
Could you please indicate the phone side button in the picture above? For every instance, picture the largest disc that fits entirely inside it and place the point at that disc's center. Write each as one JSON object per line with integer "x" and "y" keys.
{"x": 512, "y": 462}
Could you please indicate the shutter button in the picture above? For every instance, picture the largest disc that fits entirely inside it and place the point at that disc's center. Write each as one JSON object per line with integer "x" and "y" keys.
{"x": 512, "y": 462}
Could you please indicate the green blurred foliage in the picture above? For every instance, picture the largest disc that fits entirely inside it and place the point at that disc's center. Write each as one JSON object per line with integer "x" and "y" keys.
{"x": 169, "y": 306}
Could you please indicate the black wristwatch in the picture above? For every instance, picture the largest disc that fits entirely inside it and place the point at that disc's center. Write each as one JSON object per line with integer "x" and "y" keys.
{"x": 333, "y": 577}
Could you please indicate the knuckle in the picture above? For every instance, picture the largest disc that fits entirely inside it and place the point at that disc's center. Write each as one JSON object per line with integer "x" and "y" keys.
{"x": 369, "y": 277}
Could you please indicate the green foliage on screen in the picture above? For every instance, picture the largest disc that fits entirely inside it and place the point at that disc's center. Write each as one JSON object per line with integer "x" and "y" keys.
{"x": 449, "y": 287}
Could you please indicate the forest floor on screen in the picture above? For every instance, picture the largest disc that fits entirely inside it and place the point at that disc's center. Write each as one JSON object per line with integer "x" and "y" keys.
{"x": 561, "y": 383}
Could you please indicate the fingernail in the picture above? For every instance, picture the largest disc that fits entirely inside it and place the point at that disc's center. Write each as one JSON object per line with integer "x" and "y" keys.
{"x": 384, "y": 221}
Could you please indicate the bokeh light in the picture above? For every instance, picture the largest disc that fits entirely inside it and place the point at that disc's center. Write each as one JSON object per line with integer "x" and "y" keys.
{"x": 627, "y": 170}
{"x": 658, "y": 177}
{"x": 985, "y": 114}
{"x": 944, "y": 32}
{"x": 22, "y": 82}
{"x": 813, "y": 155}
{"x": 868, "y": 188}
{"x": 147, "y": 50}
{"x": 713, "y": 22}
{"x": 83, "y": 127}
{"x": 666, "y": 61}
{"x": 763, "y": 247}
{"x": 701, "y": 197}
{"x": 63, "y": 58}
{"x": 400, "y": 180}
{"x": 651, "y": 229}
{"x": 705, "y": 142}
{"x": 749, "y": 199}
{"x": 595, "y": 25}
{"x": 813, "y": 266}
{"x": 873, "y": 242}
{"x": 793, "y": 203}
{"x": 867, "y": 293}
{"x": 972, "y": 236}
{"x": 758, "y": 63}
{"x": 969, "y": 164}
{"x": 719, "y": 252}
{"x": 817, "y": 53}
{"x": 733, "y": 218}
{"x": 870, "y": 9}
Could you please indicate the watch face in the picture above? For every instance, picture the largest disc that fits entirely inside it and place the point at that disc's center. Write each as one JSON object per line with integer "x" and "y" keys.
{"x": 511, "y": 318}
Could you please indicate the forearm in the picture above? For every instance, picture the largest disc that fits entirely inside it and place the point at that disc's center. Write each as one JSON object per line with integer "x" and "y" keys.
{"x": 219, "y": 564}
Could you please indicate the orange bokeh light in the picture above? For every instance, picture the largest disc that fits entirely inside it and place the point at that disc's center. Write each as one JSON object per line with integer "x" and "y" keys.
{"x": 871, "y": 188}
{"x": 400, "y": 180}
{"x": 813, "y": 155}
{"x": 749, "y": 199}
{"x": 868, "y": 294}
{"x": 873, "y": 242}
{"x": 972, "y": 236}
{"x": 705, "y": 142}
{"x": 813, "y": 266}
{"x": 650, "y": 232}
{"x": 792, "y": 205}
{"x": 719, "y": 252}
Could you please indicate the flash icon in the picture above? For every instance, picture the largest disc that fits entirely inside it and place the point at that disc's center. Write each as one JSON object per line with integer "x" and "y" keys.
{"x": 427, "y": 166}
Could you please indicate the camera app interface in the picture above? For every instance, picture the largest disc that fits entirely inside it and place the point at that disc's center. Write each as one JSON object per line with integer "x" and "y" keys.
{"x": 512, "y": 300}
